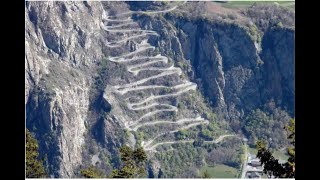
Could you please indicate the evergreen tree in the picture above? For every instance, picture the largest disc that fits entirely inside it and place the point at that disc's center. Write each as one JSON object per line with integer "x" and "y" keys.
{"x": 34, "y": 167}
{"x": 133, "y": 165}
{"x": 92, "y": 172}
{"x": 272, "y": 167}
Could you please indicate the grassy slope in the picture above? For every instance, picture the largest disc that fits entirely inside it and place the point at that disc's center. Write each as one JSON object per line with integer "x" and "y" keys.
{"x": 245, "y": 4}
{"x": 280, "y": 155}
{"x": 277, "y": 154}
{"x": 220, "y": 171}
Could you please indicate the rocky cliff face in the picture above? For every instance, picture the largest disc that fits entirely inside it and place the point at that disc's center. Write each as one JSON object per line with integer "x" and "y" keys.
{"x": 278, "y": 68}
{"x": 62, "y": 45}
{"x": 239, "y": 63}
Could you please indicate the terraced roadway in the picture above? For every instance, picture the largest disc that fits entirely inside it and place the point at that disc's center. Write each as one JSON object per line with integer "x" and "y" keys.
{"x": 137, "y": 61}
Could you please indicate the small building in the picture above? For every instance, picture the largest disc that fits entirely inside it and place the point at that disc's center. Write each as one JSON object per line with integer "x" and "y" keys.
{"x": 254, "y": 175}
{"x": 255, "y": 163}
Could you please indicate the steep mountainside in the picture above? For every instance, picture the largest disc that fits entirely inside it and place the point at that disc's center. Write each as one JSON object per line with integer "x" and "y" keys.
{"x": 60, "y": 53}
{"x": 183, "y": 79}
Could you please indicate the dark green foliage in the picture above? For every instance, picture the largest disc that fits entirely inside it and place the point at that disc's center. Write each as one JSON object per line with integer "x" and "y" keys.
{"x": 183, "y": 160}
{"x": 272, "y": 167}
{"x": 125, "y": 153}
{"x": 228, "y": 153}
{"x": 100, "y": 80}
{"x": 198, "y": 142}
{"x": 92, "y": 172}
{"x": 266, "y": 126}
{"x": 182, "y": 134}
{"x": 179, "y": 162}
{"x": 206, "y": 134}
{"x": 272, "y": 15}
{"x": 34, "y": 167}
{"x": 139, "y": 155}
{"x": 133, "y": 163}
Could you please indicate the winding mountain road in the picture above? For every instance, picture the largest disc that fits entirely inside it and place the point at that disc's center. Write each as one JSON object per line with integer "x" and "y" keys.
{"x": 180, "y": 121}
{"x": 219, "y": 139}
{"x": 137, "y": 61}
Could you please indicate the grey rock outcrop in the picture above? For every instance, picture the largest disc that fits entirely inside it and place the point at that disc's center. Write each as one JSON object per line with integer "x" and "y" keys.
{"x": 62, "y": 44}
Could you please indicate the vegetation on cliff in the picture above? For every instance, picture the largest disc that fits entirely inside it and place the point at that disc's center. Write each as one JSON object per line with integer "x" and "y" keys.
{"x": 34, "y": 166}
{"x": 133, "y": 165}
{"x": 272, "y": 167}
